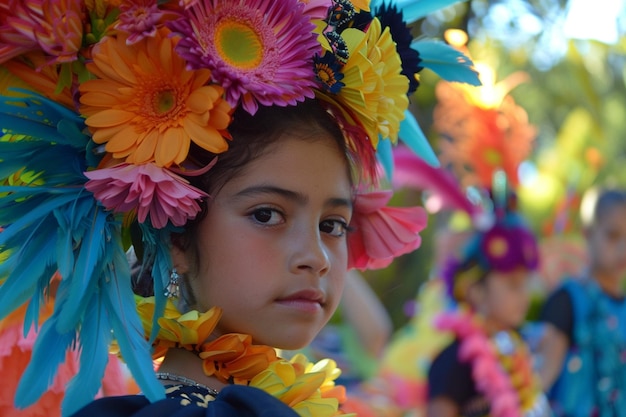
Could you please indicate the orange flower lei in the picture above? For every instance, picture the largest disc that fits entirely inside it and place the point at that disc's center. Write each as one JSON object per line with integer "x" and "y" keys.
{"x": 232, "y": 358}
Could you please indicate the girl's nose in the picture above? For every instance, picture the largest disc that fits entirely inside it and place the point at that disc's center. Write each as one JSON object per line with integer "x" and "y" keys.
{"x": 310, "y": 253}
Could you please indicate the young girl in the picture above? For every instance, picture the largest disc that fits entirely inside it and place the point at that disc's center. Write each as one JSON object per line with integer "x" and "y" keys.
{"x": 487, "y": 370}
{"x": 583, "y": 351}
{"x": 224, "y": 141}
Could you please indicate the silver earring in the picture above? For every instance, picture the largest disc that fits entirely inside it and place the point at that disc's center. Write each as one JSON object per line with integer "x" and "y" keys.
{"x": 173, "y": 289}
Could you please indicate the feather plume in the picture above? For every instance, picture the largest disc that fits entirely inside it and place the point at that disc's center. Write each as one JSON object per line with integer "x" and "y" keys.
{"x": 48, "y": 216}
{"x": 94, "y": 356}
{"x": 127, "y": 329}
{"x": 445, "y": 61}
{"x": 416, "y": 9}
{"x": 413, "y": 172}
{"x": 412, "y": 136}
{"x": 88, "y": 264}
{"x": 49, "y": 352}
{"x": 155, "y": 246}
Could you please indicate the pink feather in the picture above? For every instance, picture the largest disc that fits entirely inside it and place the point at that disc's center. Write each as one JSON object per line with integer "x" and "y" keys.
{"x": 413, "y": 172}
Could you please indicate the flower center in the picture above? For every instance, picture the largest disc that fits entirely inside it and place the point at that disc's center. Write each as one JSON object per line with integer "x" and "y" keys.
{"x": 238, "y": 44}
{"x": 493, "y": 156}
{"x": 164, "y": 101}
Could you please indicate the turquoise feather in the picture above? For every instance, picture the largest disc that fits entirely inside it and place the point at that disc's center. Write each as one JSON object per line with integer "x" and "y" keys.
{"x": 48, "y": 353}
{"x": 413, "y": 10}
{"x": 385, "y": 158}
{"x": 56, "y": 222}
{"x": 412, "y": 136}
{"x": 445, "y": 61}
{"x": 94, "y": 356}
{"x": 22, "y": 281}
{"x": 36, "y": 109}
{"x": 127, "y": 328}
{"x": 89, "y": 264}
{"x": 155, "y": 245}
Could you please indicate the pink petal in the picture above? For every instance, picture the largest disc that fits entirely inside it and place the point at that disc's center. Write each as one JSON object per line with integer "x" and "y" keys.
{"x": 156, "y": 193}
{"x": 382, "y": 233}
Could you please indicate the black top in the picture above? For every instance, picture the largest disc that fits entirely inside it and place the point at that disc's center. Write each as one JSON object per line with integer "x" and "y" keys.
{"x": 450, "y": 378}
{"x": 187, "y": 401}
{"x": 558, "y": 311}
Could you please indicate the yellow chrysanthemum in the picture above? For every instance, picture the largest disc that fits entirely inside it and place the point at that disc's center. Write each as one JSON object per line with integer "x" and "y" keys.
{"x": 306, "y": 387}
{"x": 147, "y": 107}
{"x": 187, "y": 330}
{"x": 375, "y": 91}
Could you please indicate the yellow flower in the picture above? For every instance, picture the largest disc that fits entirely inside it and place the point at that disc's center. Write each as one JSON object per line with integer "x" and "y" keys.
{"x": 306, "y": 387}
{"x": 147, "y": 107}
{"x": 374, "y": 91}
{"x": 187, "y": 330}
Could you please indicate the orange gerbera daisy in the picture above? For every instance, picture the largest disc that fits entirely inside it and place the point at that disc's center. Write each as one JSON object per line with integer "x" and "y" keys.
{"x": 147, "y": 107}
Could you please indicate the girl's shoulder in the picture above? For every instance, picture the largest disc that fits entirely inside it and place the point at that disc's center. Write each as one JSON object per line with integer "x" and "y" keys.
{"x": 234, "y": 400}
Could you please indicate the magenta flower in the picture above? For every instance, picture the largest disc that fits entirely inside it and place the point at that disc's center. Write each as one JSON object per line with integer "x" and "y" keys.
{"x": 152, "y": 191}
{"x": 260, "y": 51}
{"x": 139, "y": 19}
{"x": 382, "y": 233}
{"x": 316, "y": 9}
{"x": 53, "y": 26}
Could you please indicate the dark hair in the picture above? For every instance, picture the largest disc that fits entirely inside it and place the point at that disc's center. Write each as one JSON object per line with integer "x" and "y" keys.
{"x": 606, "y": 200}
{"x": 252, "y": 137}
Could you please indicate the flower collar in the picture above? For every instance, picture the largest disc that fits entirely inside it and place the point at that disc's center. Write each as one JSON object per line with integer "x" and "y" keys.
{"x": 232, "y": 358}
{"x": 501, "y": 369}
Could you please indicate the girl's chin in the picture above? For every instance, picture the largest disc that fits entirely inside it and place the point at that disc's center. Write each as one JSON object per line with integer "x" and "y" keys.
{"x": 289, "y": 341}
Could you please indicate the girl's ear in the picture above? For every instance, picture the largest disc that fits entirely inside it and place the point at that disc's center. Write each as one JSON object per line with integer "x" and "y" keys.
{"x": 180, "y": 260}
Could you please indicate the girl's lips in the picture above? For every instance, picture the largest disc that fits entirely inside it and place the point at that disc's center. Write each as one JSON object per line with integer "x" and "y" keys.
{"x": 309, "y": 300}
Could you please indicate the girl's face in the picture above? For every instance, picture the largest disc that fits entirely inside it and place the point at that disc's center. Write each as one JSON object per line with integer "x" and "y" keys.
{"x": 272, "y": 250}
{"x": 505, "y": 298}
{"x": 607, "y": 242}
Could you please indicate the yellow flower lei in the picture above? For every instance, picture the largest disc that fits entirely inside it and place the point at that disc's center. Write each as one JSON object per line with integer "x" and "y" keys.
{"x": 232, "y": 358}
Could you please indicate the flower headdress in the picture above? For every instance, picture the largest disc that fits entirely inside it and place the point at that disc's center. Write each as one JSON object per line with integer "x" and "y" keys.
{"x": 502, "y": 244}
{"x": 102, "y": 101}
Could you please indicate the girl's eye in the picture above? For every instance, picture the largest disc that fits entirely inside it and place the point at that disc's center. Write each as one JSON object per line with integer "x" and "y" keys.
{"x": 267, "y": 216}
{"x": 334, "y": 227}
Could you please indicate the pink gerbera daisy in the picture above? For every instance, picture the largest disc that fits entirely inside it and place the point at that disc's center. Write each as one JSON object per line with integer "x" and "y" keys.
{"x": 152, "y": 191}
{"x": 139, "y": 18}
{"x": 260, "y": 51}
{"x": 53, "y": 26}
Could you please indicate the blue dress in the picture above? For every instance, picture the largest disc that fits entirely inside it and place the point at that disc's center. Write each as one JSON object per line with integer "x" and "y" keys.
{"x": 188, "y": 401}
{"x": 593, "y": 378}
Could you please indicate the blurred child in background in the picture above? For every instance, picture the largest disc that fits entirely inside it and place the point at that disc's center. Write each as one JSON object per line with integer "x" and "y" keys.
{"x": 583, "y": 350}
{"x": 487, "y": 369}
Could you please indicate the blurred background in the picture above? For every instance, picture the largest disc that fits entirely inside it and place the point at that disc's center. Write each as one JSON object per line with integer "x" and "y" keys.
{"x": 564, "y": 63}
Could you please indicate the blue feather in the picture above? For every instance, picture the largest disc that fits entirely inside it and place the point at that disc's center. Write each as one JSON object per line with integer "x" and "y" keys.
{"x": 384, "y": 156}
{"x": 87, "y": 266}
{"x": 20, "y": 284}
{"x": 42, "y": 158}
{"x": 48, "y": 353}
{"x": 127, "y": 329}
{"x": 445, "y": 61}
{"x": 33, "y": 313}
{"x": 37, "y": 108}
{"x": 412, "y": 136}
{"x": 157, "y": 243}
{"x": 94, "y": 339}
{"x": 416, "y": 9}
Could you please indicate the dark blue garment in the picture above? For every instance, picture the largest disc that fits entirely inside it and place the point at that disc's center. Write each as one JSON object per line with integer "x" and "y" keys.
{"x": 186, "y": 401}
{"x": 593, "y": 378}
